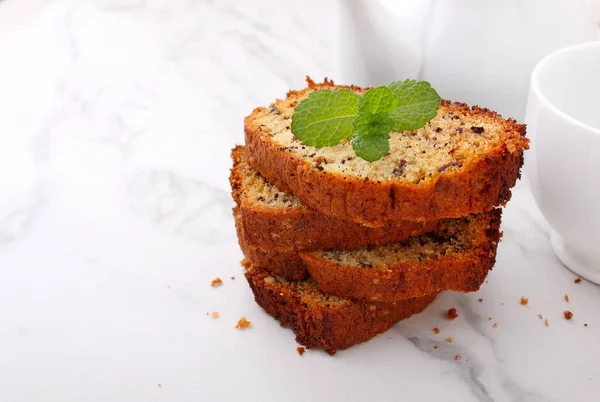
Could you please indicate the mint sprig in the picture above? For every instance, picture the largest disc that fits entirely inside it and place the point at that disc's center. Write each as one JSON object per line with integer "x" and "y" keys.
{"x": 327, "y": 117}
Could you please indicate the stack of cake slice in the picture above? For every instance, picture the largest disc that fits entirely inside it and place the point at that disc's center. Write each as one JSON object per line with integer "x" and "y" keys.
{"x": 340, "y": 249}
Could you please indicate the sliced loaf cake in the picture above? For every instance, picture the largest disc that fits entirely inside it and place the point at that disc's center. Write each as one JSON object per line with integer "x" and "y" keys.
{"x": 457, "y": 257}
{"x": 321, "y": 320}
{"x": 463, "y": 161}
{"x": 273, "y": 219}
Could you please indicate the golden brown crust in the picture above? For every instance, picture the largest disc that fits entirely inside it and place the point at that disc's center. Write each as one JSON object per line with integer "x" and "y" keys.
{"x": 465, "y": 272}
{"x": 332, "y": 326}
{"x": 286, "y": 263}
{"x": 302, "y": 228}
{"x": 476, "y": 188}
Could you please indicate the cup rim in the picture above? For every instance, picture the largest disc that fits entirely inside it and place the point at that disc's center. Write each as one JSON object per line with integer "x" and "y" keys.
{"x": 536, "y": 86}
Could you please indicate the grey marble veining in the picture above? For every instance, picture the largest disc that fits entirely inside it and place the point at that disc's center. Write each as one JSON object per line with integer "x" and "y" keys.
{"x": 115, "y": 215}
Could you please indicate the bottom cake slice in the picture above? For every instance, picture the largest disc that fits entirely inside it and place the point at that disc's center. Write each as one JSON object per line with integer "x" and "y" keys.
{"x": 321, "y": 320}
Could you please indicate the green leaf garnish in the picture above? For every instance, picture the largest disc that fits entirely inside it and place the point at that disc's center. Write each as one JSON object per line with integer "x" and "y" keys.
{"x": 327, "y": 117}
{"x": 369, "y": 125}
{"x": 378, "y": 100}
{"x": 371, "y": 148}
{"x": 418, "y": 103}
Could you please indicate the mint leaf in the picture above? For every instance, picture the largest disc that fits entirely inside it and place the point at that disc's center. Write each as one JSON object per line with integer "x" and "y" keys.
{"x": 368, "y": 124}
{"x": 378, "y": 100}
{"x": 371, "y": 147}
{"x": 325, "y": 117}
{"x": 418, "y": 103}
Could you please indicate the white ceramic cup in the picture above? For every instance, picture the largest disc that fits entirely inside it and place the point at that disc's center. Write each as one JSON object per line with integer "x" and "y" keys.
{"x": 563, "y": 123}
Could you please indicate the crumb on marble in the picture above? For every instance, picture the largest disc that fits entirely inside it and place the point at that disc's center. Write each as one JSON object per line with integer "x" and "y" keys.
{"x": 300, "y": 350}
{"x": 242, "y": 324}
{"x": 451, "y": 313}
{"x": 159, "y": 385}
{"x": 435, "y": 346}
{"x": 216, "y": 282}
{"x": 457, "y": 357}
{"x": 585, "y": 325}
{"x": 214, "y": 314}
{"x": 480, "y": 300}
{"x": 566, "y": 298}
{"x": 233, "y": 278}
{"x": 540, "y": 317}
{"x": 578, "y": 280}
{"x": 546, "y": 322}
{"x": 489, "y": 318}
{"x": 450, "y": 340}
{"x": 436, "y": 330}
{"x": 568, "y": 315}
{"x": 495, "y": 325}
{"x": 486, "y": 281}
{"x": 524, "y": 301}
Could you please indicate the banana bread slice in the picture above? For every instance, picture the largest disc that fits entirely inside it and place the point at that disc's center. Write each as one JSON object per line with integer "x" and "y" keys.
{"x": 321, "y": 320}
{"x": 457, "y": 257}
{"x": 465, "y": 160}
{"x": 276, "y": 220}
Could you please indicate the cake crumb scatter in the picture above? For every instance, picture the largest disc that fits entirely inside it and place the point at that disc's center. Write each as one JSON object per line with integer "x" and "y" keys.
{"x": 216, "y": 282}
{"x": 524, "y": 301}
{"x": 436, "y": 330}
{"x": 300, "y": 350}
{"x": 567, "y": 298}
{"x": 568, "y": 315}
{"x": 243, "y": 323}
{"x": 451, "y": 314}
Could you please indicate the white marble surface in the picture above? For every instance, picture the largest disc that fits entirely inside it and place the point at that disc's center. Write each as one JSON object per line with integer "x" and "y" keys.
{"x": 116, "y": 124}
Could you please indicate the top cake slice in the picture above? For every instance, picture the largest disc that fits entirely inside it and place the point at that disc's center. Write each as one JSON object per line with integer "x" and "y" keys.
{"x": 465, "y": 160}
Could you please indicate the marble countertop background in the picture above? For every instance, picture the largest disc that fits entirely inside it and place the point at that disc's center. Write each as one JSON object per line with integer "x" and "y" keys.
{"x": 117, "y": 118}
